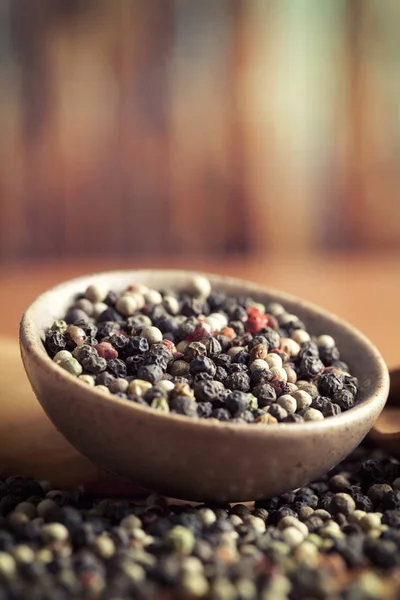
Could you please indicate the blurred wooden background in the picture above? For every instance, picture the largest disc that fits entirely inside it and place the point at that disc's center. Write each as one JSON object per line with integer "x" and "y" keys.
{"x": 174, "y": 126}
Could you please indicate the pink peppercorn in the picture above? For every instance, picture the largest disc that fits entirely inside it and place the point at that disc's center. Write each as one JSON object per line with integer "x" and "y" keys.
{"x": 201, "y": 331}
{"x": 106, "y": 350}
{"x": 228, "y": 332}
{"x": 255, "y": 323}
{"x": 169, "y": 345}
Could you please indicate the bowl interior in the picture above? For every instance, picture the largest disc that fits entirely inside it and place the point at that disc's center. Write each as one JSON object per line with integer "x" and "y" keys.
{"x": 363, "y": 358}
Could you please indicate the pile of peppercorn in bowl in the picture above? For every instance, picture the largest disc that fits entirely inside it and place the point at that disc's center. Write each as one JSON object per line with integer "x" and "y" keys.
{"x": 156, "y": 376}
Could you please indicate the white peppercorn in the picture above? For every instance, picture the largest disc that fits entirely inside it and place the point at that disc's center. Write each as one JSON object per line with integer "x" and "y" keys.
{"x": 126, "y": 305}
{"x": 312, "y": 414}
{"x": 118, "y": 385}
{"x": 274, "y": 361}
{"x": 221, "y": 318}
{"x": 200, "y": 286}
{"x": 54, "y": 532}
{"x": 138, "y": 387}
{"x": 371, "y": 521}
{"x": 234, "y": 350}
{"x": 171, "y": 304}
{"x": 85, "y": 305}
{"x": 23, "y": 554}
{"x": 279, "y": 373}
{"x": 207, "y": 516}
{"x": 104, "y": 546}
{"x": 88, "y": 379}
{"x": 258, "y": 364}
{"x": 293, "y": 536}
{"x": 275, "y": 308}
{"x": 288, "y": 403}
{"x": 98, "y": 309}
{"x": 325, "y": 341}
{"x": 181, "y": 346}
{"x": 102, "y": 388}
{"x": 152, "y": 334}
{"x": 289, "y": 346}
{"x": 301, "y": 336}
{"x": 291, "y": 374}
{"x": 303, "y": 399}
{"x": 139, "y": 299}
{"x": 7, "y": 566}
{"x": 290, "y": 521}
{"x": 96, "y": 293}
{"x": 152, "y": 297}
{"x": 165, "y": 385}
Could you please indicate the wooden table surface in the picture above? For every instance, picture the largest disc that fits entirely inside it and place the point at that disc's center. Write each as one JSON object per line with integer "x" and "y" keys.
{"x": 365, "y": 290}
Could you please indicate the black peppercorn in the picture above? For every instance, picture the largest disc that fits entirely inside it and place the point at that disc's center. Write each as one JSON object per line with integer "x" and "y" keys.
{"x": 207, "y": 391}
{"x": 111, "y": 298}
{"x": 220, "y": 374}
{"x": 237, "y": 403}
{"x": 104, "y": 378}
{"x": 89, "y": 328}
{"x": 224, "y": 341}
{"x": 329, "y": 355}
{"x": 54, "y": 342}
{"x": 94, "y": 364}
{"x": 133, "y": 364}
{"x": 222, "y": 414}
{"x": 151, "y": 373}
{"x": 117, "y": 367}
{"x": 344, "y": 399}
{"x": 136, "y": 345}
{"x": 238, "y": 368}
{"x": 110, "y": 314}
{"x": 223, "y": 360}
{"x": 330, "y": 383}
{"x": 277, "y": 411}
{"x": 184, "y": 406}
{"x": 213, "y": 347}
{"x": 310, "y": 366}
{"x": 309, "y": 349}
{"x": 202, "y": 364}
{"x": 106, "y": 329}
{"x": 204, "y": 409}
{"x": 272, "y": 338}
{"x": 293, "y": 418}
{"x": 238, "y": 381}
{"x": 194, "y": 350}
{"x": 265, "y": 394}
{"x": 202, "y": 377}
{"x": 74, "y": 315}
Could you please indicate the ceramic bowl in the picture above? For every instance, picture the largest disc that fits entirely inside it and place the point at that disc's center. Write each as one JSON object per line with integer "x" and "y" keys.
{"x": 199, "y": 460}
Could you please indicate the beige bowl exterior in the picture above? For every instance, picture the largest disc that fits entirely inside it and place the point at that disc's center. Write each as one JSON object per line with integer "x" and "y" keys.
{"x": 197, "y": 459}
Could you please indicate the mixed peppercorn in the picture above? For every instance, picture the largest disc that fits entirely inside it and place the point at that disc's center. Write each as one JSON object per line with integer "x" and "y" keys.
{"x": 202, "y": 354}
{"x": 336, "y": 538}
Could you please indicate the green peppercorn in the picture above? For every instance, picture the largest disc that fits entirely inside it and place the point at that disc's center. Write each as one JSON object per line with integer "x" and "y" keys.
{"x": 59, "y": 325}
{"x": 71, "y": 365}
{"x": 138, "y": 387}
{"x": 180, "y": 539}
{"x": 160, "y": 404}
{"x": 62, "y": 355}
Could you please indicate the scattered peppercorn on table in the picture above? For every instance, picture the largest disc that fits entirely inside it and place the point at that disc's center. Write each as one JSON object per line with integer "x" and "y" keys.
{"x": 338, "y": 537}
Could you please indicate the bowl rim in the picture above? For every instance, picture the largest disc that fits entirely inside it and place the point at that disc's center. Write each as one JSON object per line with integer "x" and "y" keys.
{"x": 31, "y": 342}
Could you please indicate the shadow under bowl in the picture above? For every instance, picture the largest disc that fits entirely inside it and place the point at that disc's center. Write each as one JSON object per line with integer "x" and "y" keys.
{"x": 199, "y": 460}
